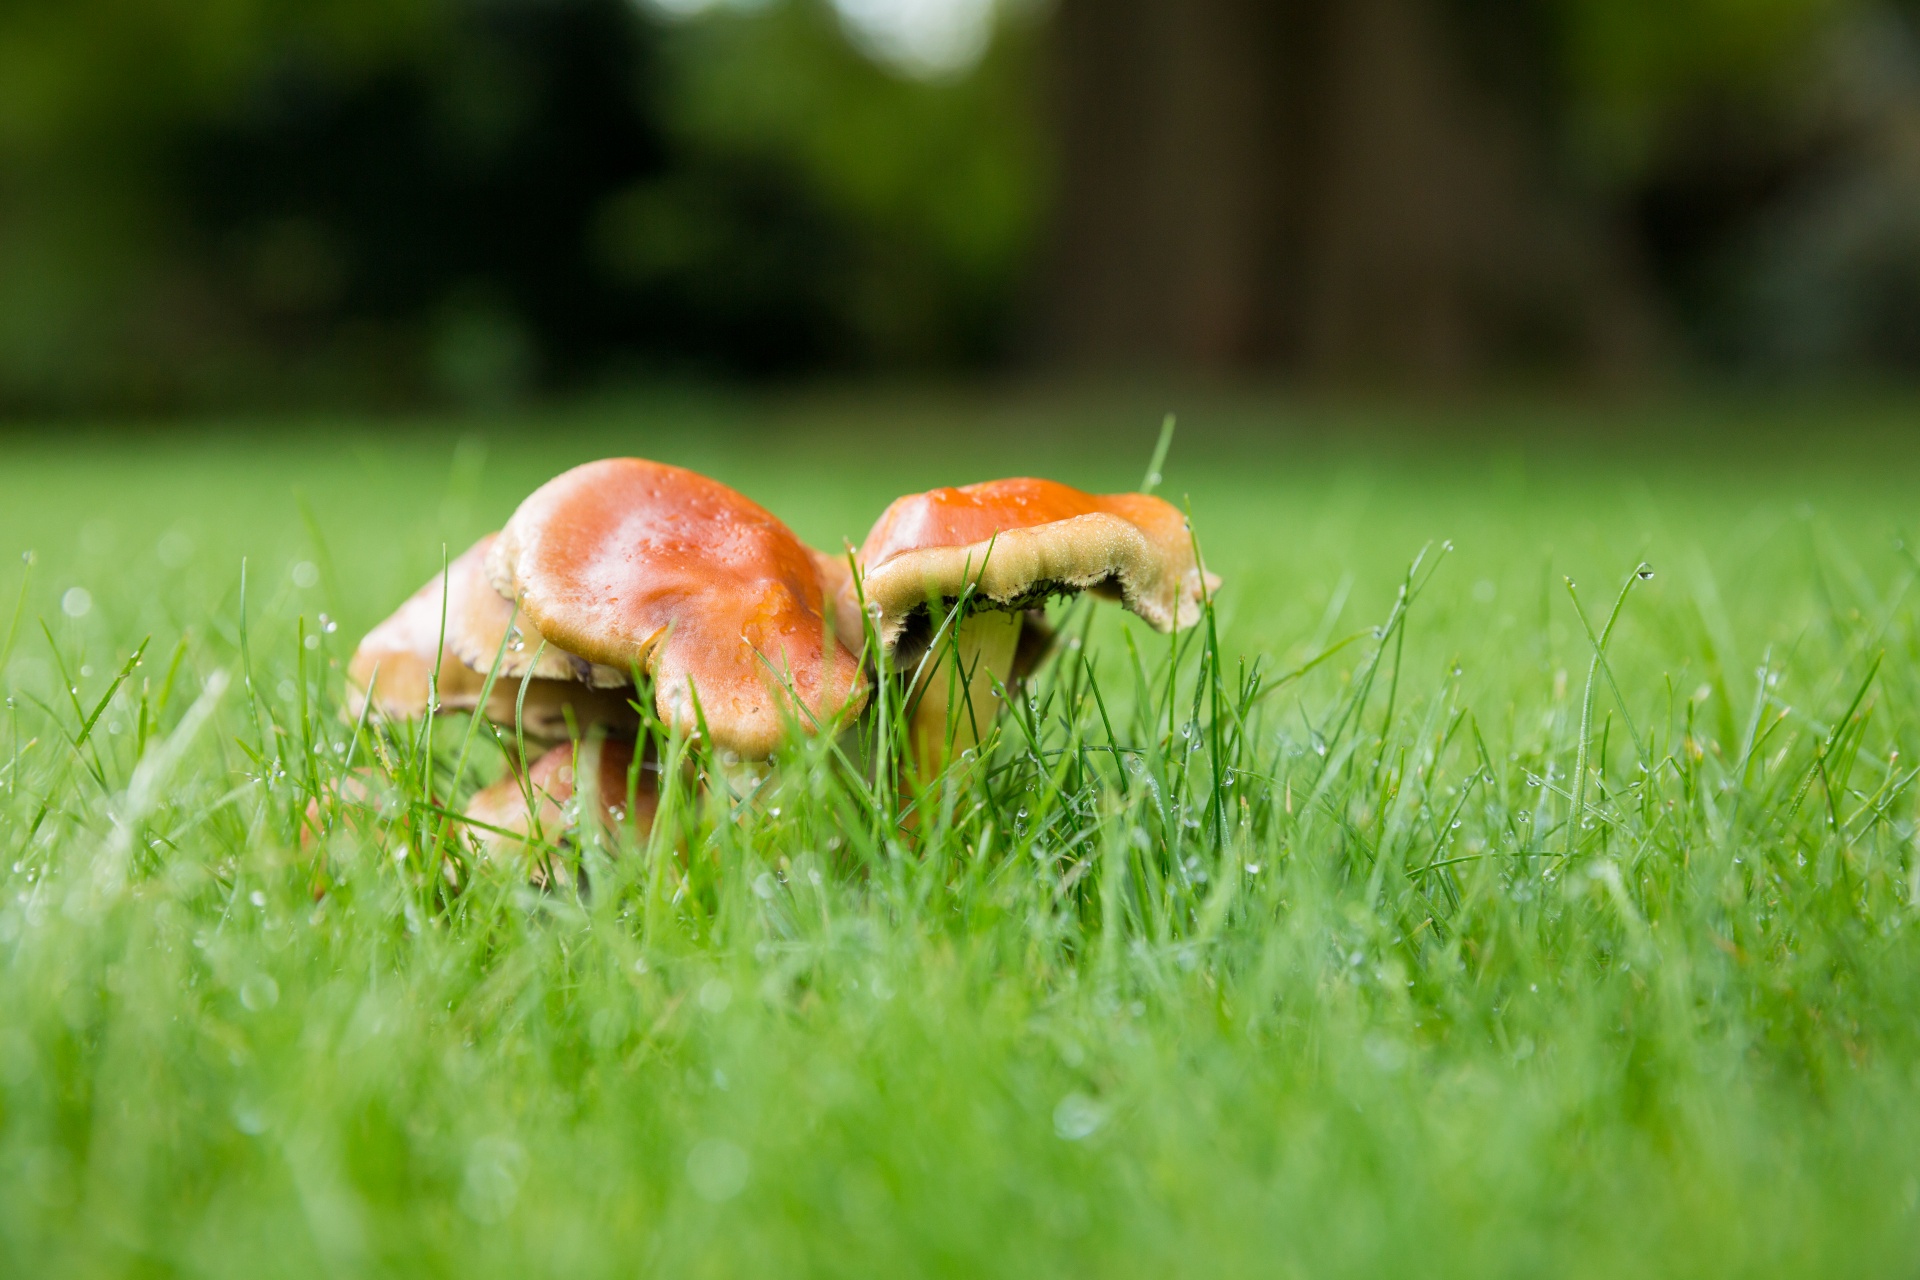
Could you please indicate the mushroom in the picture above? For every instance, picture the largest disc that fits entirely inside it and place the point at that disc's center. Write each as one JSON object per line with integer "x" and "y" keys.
{"x": 503, "y": 817}
{"x": 397, "y": 661}
{"x": 1016, "y": 543}
{"x": 645, "y": 567}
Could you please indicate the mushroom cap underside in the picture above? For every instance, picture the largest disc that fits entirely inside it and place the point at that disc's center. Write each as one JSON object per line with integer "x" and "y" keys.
{"x": 1016, "y": 542}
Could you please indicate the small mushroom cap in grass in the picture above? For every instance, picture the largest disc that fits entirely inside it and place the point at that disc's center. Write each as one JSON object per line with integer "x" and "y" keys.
{"x": 398, "y": 659}
{"x": 364, "y": 801}
{"x": 1019, "y": 541}
{"x": 641, "y": 566}
{"x": 504, "y": 819}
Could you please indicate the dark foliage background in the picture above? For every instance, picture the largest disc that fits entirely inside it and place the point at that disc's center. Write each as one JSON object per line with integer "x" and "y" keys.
{"x": 230, "y": 202}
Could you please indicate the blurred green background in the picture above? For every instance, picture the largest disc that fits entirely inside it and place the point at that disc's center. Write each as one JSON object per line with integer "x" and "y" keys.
{"x": 220, "y": 203}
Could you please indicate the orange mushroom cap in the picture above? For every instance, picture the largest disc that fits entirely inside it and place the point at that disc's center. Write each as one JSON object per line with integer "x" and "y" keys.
{"x": 398, "y": 658}
{"x": 483, "y": 627}
{"x": 1018, "y": 541}
{"x": 642, "y": 566}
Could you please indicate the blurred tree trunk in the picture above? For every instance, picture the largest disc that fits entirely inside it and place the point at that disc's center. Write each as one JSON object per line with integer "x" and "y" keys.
{"x": 1312, "y": 185}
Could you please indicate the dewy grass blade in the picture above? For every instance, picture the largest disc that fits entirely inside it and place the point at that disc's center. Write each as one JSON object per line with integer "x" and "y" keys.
{"x": 1576, "y": 814}
{"x": 19, "y": 611}
{"x": 1160, "y": 447}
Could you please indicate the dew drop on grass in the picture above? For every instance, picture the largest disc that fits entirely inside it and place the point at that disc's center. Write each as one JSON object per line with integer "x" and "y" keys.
{"x": 493, "y": 1176}
{"x": 717, "y": 1170}
{"x": 1645, "y": 573}
{"x": 259, "y": 993}
{"x": 1077, "y": 1117}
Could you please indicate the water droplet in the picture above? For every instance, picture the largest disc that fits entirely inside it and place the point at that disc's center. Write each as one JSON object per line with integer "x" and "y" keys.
{"x": 259, "y": 992}
{"x": 1645, "y": 572}
{"x": 718, "y": 1170}
{"x": 1077, "y": 1117}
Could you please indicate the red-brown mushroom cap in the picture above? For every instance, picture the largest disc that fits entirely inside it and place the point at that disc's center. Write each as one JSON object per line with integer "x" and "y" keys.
{"x": 1019, "y": 541}
{"x": 836, "y": 580}
{"x": 483, "y": 627}
{"x": 397, "y": 660}
{"x": 638, "y": 565}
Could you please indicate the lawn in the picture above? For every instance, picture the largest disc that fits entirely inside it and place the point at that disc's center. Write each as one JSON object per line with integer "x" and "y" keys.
{"x": 1376, "y": 928}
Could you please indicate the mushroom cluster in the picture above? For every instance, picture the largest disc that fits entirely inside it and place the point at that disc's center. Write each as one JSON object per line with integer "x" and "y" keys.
{"x": 625, "y": 584}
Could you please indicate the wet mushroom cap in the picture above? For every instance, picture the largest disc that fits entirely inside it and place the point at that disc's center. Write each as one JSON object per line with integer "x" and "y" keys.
{"x": 398, "y": 659}
{"x": 843, "y": 600}
{"x": 1019, "y": 541}
{"x": 483, "y": 628}
{"x": 637, "y": 565}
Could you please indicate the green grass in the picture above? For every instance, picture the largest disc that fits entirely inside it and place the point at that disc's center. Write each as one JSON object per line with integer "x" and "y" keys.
{"x": 1357, "y": 971}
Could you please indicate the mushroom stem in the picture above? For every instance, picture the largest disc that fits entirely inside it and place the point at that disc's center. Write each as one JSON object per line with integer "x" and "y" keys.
{"x": 957, "y": 703}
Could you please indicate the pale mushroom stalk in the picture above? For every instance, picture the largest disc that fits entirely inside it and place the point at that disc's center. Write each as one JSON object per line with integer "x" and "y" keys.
{"x": 955, "y": 699}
